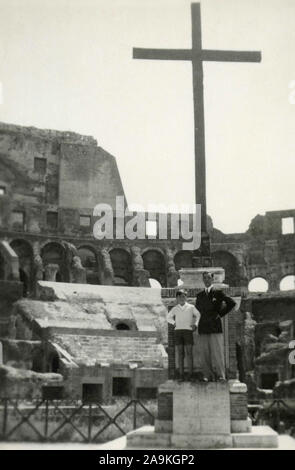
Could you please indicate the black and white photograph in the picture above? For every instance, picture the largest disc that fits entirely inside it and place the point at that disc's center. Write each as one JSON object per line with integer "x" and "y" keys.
{"x": 147, "y": 228}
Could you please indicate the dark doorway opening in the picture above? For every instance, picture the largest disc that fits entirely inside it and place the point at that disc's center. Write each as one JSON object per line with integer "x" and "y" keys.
{"x": 268, "y": 380}
{"x": 121, "y": 386}
{"x": 92, "y": 393}
{"x": 54, "y": 363}
{"x": 122, "y": 326}
{"x": 24, "y": 279}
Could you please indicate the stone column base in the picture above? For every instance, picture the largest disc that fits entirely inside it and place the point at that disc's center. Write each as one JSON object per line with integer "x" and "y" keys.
{"x": 163, "y": 425}
{"x": 204, "y": 441}
{"x": 146, "y": 438}
{"x": 241, "y": 425}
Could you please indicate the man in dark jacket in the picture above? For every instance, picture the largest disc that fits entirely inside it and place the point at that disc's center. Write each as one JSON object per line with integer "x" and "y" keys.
{"x": 212, "y": 304}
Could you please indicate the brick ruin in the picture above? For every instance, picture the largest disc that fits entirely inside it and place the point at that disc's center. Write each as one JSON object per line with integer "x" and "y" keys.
{"x": 100, "y": 342}
{"x": 50, "y": 182}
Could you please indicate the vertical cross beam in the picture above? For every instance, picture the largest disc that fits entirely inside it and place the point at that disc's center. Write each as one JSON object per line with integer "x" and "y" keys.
{"x": 199, "y": 120}
{"x": 196, "y": 55}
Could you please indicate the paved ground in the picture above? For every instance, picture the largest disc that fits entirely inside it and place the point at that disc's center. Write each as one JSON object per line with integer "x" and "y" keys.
{"x": 285, "y": 443}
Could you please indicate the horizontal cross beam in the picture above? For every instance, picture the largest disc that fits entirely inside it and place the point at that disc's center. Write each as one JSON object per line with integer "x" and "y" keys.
{"x": 190, "y": 54}
{"x": 162, "y": 54}
{"x": 231, "y": 56}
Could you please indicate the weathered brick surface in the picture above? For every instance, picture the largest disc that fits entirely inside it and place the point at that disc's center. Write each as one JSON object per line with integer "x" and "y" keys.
{"x": 165, "y": 406}
{"x": 149, "y": 377}
{"x": 89, "y": 349}
{"x": 238, "y": 406}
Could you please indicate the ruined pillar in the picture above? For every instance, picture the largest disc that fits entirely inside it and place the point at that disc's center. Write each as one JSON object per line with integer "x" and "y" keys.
{"x": 172, "y": 274}
{"x": 107, "y": 268}
{"x": 78, "y": 273}
{"x": 72, "y": 267}
{"x": 272, "y": 258}
{"x": 50, "y": 272}
{"x": 239, "y": 254}
{"x": 10, "y": 262}
{"x": 140, "y": 275}
{"x": 38, "y": 263}
{"x": 273, "y": 277}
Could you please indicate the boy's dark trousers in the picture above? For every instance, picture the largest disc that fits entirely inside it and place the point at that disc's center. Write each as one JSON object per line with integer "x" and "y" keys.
{"x": 188, "y": 350}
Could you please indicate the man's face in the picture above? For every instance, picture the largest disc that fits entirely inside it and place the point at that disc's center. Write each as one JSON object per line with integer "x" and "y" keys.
{"x": 181, "y": 299}
{"x": 207, "y": 278}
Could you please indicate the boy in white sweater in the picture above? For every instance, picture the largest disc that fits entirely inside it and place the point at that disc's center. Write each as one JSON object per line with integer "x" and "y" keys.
{"x": 185, "y": 317}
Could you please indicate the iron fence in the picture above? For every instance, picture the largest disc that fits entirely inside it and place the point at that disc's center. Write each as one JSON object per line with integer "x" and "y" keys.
{"x": 47, "y": 419}
{"x": 272, "y": 413}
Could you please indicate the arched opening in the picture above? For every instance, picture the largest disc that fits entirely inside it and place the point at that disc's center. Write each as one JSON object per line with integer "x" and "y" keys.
{"x": 90, "y": 263}
{"x": 258, "y": 284}
{"x": 183, "y": 259}
{"x": 229, "y": 263}
{"x": 154, "y": 263}
{"x": 24, "y": 252}
{"x": 53, "y": 363}
{"x": 155, "y": 284}
{"x": 122, "y": 267}
{"x": 23, "y": 277}
{"x": 288, "y": 282}
{"x": 122, "y": 326}
{"x": 37, "y": 362}
{"x": 53, "y": 253}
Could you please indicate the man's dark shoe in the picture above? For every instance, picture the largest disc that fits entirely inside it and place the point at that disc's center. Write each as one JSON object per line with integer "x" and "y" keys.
{"x": 180, "y": 379}
{"x": 221, "y": 379}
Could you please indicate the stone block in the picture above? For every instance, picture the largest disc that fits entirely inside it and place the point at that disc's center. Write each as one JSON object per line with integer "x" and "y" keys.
{"x": 260, "y": 437}
{"x": 203, "y": 441}
{"x": 163, "y": 426}
{"x": 238, "y": 406}
{"x": 241, "y": 425}
{"x": 165, "y": 406}
{"x": 235, "y": 386}
{"x": 201, "y": 409}
{"x": 146, "y": 438}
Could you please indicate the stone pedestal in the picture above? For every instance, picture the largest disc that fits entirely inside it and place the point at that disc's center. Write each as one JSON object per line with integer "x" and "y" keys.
{"x": 239, "y": 407}
{"x": 201, "y": 415}
{"x": 192, "y": 278}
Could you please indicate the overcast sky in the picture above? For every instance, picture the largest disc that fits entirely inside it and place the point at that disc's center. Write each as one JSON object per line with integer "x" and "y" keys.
{"x": 67, "y": 65}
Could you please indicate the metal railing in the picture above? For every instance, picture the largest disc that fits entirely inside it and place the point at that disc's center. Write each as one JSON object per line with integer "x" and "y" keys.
{"x": 47, "y": 418}
{"x": 272, "y": 413}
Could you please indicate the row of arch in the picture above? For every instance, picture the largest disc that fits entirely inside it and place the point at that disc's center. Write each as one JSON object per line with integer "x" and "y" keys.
{"x": 154, "y": 261}
{"x": 260, "y": 284}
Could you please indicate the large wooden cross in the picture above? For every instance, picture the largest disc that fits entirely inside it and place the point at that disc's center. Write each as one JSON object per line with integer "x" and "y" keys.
{"x": 196, "y": 55}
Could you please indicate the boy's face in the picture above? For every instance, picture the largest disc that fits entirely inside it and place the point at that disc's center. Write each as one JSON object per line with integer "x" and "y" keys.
{"x": 181, "y": 299}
